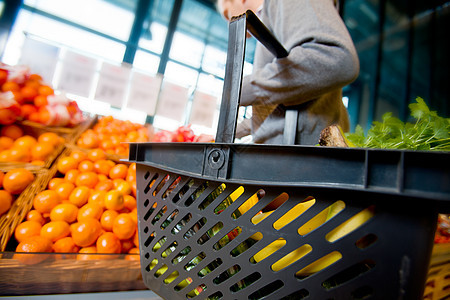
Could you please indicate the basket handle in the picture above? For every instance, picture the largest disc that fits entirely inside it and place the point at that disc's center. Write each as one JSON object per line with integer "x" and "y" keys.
{"x": 231, "y": 95}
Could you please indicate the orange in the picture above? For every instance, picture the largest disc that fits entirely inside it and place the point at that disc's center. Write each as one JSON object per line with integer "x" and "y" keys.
{"x": 27, "y": 229}
{"x": 7, "y": 142}
{"x": 124, "y": 188}
{"x": 12, "y": 131}
{"x": 127, "y": 245}
{"x": 50, "y": 138}
{"x": 88, "y": 253}
{"x": 64, "y": 212}
{"x": 104, "y": 185}
{"x": 89, "y": 179}
{"x": 19, "y": 154}
{"x": 79, "y": 196}
{"x": 33, "y": 244}
{"x": 26, "y": 141}
{"x": 108, "y": 243}
{"x": 129, "y": 202}
{"x": 131, "y": 175}
{"x": 34, "y": 215}
{"x": 26, "y": 110}
{"x": 102, "y": 177}
{"x": 32, "y": 83}
{"x": 45, "y": 201}
{"x": 6, "y": 200}
{"x": 117, "y": 182}
{"x": 65, "y": 189}
{"x": 16, "y": 180}
{"x": 88, "y": 141}
{"x": 10, "y": 86}
{"x": 65, "y": 245}
{"x": 4, "y": 156}
{"x": 66, "y": 163}
{"x": 72, "y": 175}
{"x": 45, "y": 90}
{"x": 2, "y": 175}
{"x": 103, "y": 166}
{"x": 136, "y": 239}
{"x": 86, "y": 232}
{"x": 121, "y": 150}
{"x": 78, "y": 155}
{"x": 107, "y": 219}
{"x": 40, "y": 101}
{"x": 55, "y": 230}
{"x": 96, "y": 154}
{"x": 134, "y": 188}
{"x": 54, "y": 182}
{"x": 38, "y": 162}
{"x": 18, "y": 97}
{"x": 133, "y": 215}
{"x": 41, "y": 151}
{"x": 134, "y": 254}
{"x": 118, "y": 171}
{"x": 35, "y": 77}
{"x": 28, "y": 92}
{"x": 97, "y": 197}
{"x": 34, "y": 117}
{"x": 86, "y": 166}
{"x": 114, "y": 200}
{"x": 90, "y": 210}
{"x": 106, "y": 145}
{"x": 124, "y": 226}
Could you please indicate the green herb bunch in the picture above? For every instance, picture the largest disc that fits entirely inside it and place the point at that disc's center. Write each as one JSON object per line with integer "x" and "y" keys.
{"x": 428, "y": 132}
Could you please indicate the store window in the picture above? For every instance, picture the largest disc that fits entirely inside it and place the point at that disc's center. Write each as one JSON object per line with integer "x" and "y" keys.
{"x": 155, "y": 27}
{"x": 98, "y": 15}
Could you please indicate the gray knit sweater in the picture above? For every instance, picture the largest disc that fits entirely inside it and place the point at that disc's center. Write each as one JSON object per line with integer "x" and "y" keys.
{"x": 322, "y": 59}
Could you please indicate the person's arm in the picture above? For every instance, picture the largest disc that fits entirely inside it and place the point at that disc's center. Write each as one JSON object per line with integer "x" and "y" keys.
{"x": 321, "y": 57}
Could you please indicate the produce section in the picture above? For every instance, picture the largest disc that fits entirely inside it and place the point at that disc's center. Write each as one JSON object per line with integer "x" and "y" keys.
{"x": 83, "y": 213}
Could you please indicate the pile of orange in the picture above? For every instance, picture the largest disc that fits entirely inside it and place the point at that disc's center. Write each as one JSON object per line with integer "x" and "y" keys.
{"x": 16, "y": 146}
{"x": 32, "y": 99}
{"x": 12, "y": 184}
{"x": 30, "y": 94}
{"x": 89, "y": 207}
{"x": 111, "y": 134}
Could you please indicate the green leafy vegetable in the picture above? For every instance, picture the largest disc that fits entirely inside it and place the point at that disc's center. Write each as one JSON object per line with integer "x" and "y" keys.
{"x": 428, "y": 132}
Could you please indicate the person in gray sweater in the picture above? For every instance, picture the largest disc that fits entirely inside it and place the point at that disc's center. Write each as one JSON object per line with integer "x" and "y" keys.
{"x": 322, "y": 59}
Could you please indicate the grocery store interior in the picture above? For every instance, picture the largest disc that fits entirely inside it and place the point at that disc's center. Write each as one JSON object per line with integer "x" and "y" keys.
{"x": 155, "y": 70}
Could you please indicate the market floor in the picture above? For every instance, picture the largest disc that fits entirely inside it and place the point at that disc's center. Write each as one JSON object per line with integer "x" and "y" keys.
{"x": 129, "y": 295}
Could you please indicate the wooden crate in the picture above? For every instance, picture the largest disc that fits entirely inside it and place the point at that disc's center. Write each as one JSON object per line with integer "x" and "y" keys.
{"x": 438, "y": 281}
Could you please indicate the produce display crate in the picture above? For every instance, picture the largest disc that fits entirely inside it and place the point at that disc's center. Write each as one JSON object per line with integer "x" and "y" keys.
{"x": 340, "y": 223}
{"x": 438, "y": 280}
{"x": 70, "y": 133}
{"x": 61, "y": 273}
{"x": 22, "y": 205}
{"x": 35, "y": 130}
{"x": 64, "y": 273}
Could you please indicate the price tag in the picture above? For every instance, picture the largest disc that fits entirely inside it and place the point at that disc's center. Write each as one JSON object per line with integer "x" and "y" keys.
{"x": 144, "y": 92}
{"x": 172, "y": 101}
{"x": 203, "y": 109}
{"x": 40, "y": 57}
{"x": 112, "y": 84}
{"x": 77, "y": 74}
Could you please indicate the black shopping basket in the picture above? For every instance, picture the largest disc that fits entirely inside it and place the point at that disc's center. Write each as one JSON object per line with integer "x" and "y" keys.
{"x": 244, "y": 221}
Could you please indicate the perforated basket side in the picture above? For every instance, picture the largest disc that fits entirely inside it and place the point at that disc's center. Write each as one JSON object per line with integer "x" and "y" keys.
{"x": 193, "y": 245}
